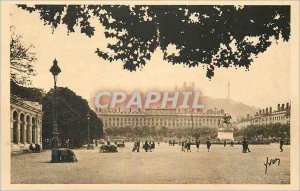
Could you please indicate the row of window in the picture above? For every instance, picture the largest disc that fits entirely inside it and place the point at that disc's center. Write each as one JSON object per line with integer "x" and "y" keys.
{"x": 274, "y": 118}
{"x": 160, "y": 119}
{"x": 145, "y": 124}
{"x": 113, "y": 123}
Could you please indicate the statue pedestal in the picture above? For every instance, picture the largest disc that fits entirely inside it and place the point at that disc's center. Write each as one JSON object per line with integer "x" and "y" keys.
{"x": 225, "y": 133}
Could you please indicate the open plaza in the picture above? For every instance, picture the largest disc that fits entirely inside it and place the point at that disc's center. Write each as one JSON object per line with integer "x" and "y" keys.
{"x": 165, "y": 165}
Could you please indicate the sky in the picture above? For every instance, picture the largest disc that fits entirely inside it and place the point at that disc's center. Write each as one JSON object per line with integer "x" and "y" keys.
{"x": 266, "y": 84}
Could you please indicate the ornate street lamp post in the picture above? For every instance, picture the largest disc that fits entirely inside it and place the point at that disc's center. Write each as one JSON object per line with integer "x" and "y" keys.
{"x": 88, "y": 128}
{"x": 55, "y": 70}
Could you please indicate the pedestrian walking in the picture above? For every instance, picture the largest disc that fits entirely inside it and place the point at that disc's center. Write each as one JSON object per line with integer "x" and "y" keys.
{"x": 281, "y": 142}
{"x": 135, "y": 146}
{"x": 244, "y": 143}
{"x": 153, "y": 145}
{"x": 185, "y": 145}
{"x": 189, "y": 146}
{"x": 231, "y": 143}
{"x": 225, "y": 143}
{"x": 147, "y": 146}
{"x": 182, "y": 146}
{"x": 138, "y": 145}
{"x": 197, "y": 144}
{"x": 247, "y": 144}
{"x": 208, "y": 144}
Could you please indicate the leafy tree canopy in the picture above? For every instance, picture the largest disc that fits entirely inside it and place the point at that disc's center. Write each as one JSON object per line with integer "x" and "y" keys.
{"x": 71, "y": 118}
{"x": 208, "y": 36}
{"x": 265, "y": 131}
{"x": 27, "y": 93}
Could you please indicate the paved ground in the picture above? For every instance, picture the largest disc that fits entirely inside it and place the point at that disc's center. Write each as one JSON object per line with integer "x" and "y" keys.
{"x": 166, "y": 164}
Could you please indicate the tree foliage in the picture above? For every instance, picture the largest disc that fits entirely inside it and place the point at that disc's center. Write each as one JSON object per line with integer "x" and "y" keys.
{"x": 276, "y": 130}
{"x": 208, "y": 36}
{"x": 161, "y": 132}
{"x": 71, "y": 117}
{"x": 27, "y": 93}
{"x": 22, "y": 58}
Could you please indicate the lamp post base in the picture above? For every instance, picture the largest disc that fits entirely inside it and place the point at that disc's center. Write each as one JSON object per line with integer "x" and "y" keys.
{"x": 55, "y": 156}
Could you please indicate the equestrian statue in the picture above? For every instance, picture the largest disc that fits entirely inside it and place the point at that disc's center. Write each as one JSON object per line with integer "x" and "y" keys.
{"x": 225, "y": 120}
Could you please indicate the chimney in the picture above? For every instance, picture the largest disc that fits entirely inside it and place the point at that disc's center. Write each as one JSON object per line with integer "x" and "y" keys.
{"x": 263, "y": 111}
{"x": 270, "y": 109}
{"x": 278, "y": 107}
{"x": 267, "y": 110}
{"x": 282, "y": 106}
{"x": 193, "y": 87}
{"x": 287, "y": 105}
{"x": 260, "y": 111}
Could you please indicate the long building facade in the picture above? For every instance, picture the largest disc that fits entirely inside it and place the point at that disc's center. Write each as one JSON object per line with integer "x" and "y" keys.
{"x": 267, "y": 116}
{"x": 170, "y": 118}
{"x": 25, "y": 122}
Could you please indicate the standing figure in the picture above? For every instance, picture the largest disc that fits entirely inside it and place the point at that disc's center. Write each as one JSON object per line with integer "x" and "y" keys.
{"x": 185, "y": 145}
{"x": 189, "y": 146}
{"x": 182, "y": 146}
{"x": 153, "y": 145}
{"x": 281, "y": 142}
{"x": 197, "y": 144}
{"x": 208, "y": 144}
{"x": 247, "y": 143}
{"x": 138, "y": 145}
{"x": 135, "y": 146}
{"x": 244, "y": 145}
{"x": 231, "y": 143}
{"x": 146, "y": 146}
{"x": 225, "y": 143}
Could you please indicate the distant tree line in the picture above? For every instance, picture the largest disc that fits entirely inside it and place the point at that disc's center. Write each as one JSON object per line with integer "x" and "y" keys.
{"x": 263, "y": 132}
{"x": 160, "y": 133}
{"x": 252, "y": 132}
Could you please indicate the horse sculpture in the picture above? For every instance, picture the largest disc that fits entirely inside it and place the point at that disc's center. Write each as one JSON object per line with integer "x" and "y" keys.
{"x": 226, "y": 120}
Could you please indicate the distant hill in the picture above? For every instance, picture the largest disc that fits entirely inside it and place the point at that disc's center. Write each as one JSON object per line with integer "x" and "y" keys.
{"x": 234, "y": 108}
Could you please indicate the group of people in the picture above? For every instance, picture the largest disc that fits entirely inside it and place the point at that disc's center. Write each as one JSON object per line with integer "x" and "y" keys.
{"x": 186, "y": 145}
{"x": 36, "y": 148}
{"x": 231, "y": 143}
{"x": 245, "y": 146}
{"x": 147, "y": 146}
{"x": 172, "y": 142}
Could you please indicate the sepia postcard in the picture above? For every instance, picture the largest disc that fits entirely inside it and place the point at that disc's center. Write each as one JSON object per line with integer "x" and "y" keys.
{"x": 149, "y": 95}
